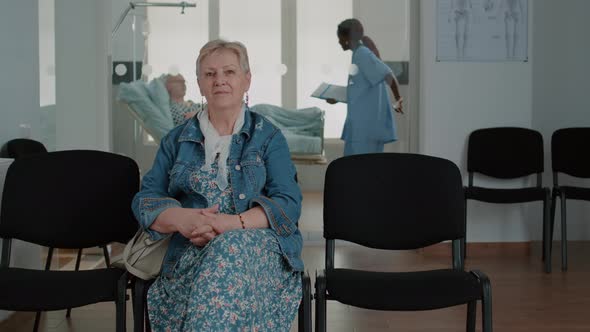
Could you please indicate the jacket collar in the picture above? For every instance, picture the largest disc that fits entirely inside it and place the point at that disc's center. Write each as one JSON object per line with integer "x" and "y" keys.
{"x": 192, "y": 131}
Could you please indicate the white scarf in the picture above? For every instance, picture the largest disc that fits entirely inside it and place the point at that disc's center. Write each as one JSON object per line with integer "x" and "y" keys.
{"x": 215, "y": 144}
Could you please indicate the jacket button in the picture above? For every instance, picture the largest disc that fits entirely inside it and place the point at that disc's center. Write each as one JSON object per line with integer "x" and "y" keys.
{"x": 238, "y": 167}
{"x": 241, "y": 196}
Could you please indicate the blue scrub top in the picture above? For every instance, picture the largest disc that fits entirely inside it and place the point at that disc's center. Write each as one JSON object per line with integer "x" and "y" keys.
{"x": 370, "y": 113}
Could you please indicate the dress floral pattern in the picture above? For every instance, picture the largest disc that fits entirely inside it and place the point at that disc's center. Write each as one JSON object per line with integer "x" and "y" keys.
{"x": 237, "y": 282}
{"x": 178, "y": 111}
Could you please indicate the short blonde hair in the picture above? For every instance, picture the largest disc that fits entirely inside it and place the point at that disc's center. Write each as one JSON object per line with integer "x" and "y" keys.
{"x": 238, "y": 48}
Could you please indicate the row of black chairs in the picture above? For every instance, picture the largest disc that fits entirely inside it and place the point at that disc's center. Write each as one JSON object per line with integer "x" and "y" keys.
{"x": 81, "y": 199}
{"x": 392, "y": 202}
{"x": 75, "y": 200}
{"x": 512, "y": 153}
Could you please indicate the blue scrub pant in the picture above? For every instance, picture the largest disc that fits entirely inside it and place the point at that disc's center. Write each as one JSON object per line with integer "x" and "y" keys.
{"x": 360, "y": 147}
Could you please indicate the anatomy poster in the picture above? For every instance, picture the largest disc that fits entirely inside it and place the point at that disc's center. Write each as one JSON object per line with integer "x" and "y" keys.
{"x": 482, "y": 30}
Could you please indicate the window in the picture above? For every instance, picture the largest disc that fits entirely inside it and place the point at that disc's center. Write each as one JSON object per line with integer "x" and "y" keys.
{"x": 174, "y": 41}
{"x": 320, "y": 58}
{"x": 257, "y": 24}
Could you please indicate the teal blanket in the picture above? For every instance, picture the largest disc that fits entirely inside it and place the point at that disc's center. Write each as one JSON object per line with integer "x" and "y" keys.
{"x": 151, "y": 103}
{"x": 303, "y": 128}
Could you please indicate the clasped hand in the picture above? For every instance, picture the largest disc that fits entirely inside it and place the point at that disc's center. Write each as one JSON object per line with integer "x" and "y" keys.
{"x": 212, "y": 223}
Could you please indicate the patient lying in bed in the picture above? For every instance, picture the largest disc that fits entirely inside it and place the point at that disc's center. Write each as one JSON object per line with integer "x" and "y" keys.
{"x": 179, "y": 108}
{"x": 160, "y": 106}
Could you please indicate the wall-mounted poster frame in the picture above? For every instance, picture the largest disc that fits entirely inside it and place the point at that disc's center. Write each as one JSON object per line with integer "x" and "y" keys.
{"x": 482, "y": 30}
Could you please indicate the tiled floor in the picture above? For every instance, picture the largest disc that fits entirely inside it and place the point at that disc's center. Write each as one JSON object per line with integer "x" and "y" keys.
{"x": 524, "y": 298}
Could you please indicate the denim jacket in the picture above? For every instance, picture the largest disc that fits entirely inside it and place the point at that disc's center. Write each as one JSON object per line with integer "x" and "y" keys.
{"x": 261, "y": 173}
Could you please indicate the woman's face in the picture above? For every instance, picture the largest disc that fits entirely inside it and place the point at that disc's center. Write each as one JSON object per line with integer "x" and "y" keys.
{"x": 344, "y": 42}
{"x": 222, "y": 80}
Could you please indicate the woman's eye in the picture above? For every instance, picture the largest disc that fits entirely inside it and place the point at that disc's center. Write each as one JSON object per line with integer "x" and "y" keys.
{"x": 209, "y": 74}
{"x": 230, "y": 72}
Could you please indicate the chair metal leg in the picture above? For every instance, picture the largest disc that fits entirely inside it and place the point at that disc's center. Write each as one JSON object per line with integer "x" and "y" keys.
{"x": 552, "y": 226}
{"x": 304, "y": 319}
{"x": 471, "y": 315}
{"x": 464, "y": 240}
{"x": 320, "y": 302}
{"x": 140, "y": 309}
{"x": 138, "y": 305}
{"x": 121, "y": 304}
{"x": 486, "y": 310}
{"x": 107, "y": 259}
{"x": 486, "y": 307}
{"x": 547, "y": 231}
{"x": 37, "y": 319}
{"x": 486, "y": 300}
{"x": 563, "y": 234}
{"x": 148, "y": 326}
{"x": 77, "y": 268}
{"x": 47, "y": 268}
{"x": 300, "y": 317}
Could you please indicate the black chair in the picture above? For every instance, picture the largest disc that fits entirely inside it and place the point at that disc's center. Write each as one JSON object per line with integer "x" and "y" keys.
{"x": 67, "y": 199}
{"x": 570, "y": 154}
{"x": 509, "y": 153}
{"x": 24, "y": 147}
{"x": 397, "y": 202}
{"x": 140, "y": 316}
{"x": 21, "y": 147}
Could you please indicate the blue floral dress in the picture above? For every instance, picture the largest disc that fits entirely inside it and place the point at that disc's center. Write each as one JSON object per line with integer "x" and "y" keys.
{"x": 238, "y": 282}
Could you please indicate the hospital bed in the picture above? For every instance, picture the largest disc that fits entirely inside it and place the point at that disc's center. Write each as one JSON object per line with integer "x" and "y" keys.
{"x": 149, "y": 105}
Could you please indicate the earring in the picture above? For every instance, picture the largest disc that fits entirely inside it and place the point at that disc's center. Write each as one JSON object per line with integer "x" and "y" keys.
{"x": 247, "y": 99}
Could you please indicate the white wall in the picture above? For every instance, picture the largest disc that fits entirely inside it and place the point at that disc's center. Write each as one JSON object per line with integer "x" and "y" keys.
{"x": 82, "y": 33}
{"x": 387, "y": 23}
{"x": 459, "y": 97}
{"x": 19, "y": 65}
{"x": 560, "y": 87}
{"x": 545, "y": 94}
{"x": 47, "y": 52}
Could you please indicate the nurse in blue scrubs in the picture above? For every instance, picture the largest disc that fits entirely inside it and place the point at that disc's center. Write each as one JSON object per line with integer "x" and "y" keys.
{"x": 369, "y": 121}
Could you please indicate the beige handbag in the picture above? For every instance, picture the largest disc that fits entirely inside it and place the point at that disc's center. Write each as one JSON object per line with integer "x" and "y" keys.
{"x": 143, "y": 256}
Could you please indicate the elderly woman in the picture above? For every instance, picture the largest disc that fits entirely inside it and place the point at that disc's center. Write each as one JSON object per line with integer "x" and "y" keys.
{"x": 369, "y": 121}
{"x": 224, "y": 186}
{"x": 180, "y": 109}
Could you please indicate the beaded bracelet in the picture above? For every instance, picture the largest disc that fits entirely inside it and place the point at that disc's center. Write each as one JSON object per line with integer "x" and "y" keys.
{"x": 242, "y": 221}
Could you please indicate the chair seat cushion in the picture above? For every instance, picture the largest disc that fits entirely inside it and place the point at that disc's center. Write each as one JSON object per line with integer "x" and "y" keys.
{"x": 36, "y": 290}
{"x": 576, "y": 192}
{"x": 402, "y": 291}
{"x": 503, "y": 196}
